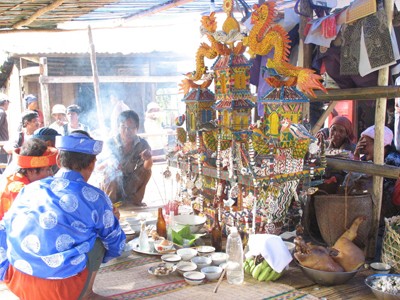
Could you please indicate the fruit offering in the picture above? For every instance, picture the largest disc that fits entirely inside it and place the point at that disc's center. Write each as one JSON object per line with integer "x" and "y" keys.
{"x": 259, "y": 269}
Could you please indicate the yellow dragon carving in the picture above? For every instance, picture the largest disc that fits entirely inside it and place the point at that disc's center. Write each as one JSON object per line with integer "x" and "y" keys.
{"x": 222, "y": 42}
{"x": 265, "y": 36}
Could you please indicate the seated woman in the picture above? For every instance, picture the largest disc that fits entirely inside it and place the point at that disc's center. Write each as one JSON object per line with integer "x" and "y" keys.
{"x": 341, "y": 136}
{"x": 365, "y": 152}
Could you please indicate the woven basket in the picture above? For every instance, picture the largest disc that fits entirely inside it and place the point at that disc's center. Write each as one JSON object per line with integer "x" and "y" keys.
{"x": 391, "y": 244}
{"x": 331, "y": 211}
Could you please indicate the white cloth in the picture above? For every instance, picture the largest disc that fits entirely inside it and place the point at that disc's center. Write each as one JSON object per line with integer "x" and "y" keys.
{"x": 387, "y": 134}
{"x": 272, "y": 248}
{"x": 314, "y": 35}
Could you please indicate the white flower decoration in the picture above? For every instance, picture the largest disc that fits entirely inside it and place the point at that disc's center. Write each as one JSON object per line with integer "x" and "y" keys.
{"x": 59, "y": 184}
{"x": 90, "y": 194}
{"x": 79, "y": 259}
{"x": 80, "y": 226}
{"x": 54, "y": 260}
{"x": 64, "y": 242}
{"x": 30, "y": 243}
{"x": 48, "y": 220}
{"x": 23, "y": 266}
{"x": 108, "y": 219}
{"x": 69, "y": 203}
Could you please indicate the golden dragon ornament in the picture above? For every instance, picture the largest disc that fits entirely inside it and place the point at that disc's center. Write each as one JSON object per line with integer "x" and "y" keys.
{"x": 265, "y": 36}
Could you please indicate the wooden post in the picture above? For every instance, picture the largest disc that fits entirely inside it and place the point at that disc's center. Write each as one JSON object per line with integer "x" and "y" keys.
{"x": 305, "y": 50}
{"x": 380, "y": 114}
{"x": 96, "y": 84}
{"x": 44, "y": 91}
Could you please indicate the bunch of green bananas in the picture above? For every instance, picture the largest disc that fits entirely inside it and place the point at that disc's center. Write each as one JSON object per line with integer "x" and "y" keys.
{"x": 259, "y": 269}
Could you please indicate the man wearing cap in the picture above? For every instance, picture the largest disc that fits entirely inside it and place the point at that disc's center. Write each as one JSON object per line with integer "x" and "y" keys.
{"x": 46, "y": 134}
{"x": 4, "y": 102}
{"x": 75, "y": 229}
{"x": 33, "y": 160}
{"x": 58, "y": 112}
{"x": 30, "y": 122}
{"x": 32, "y": 103}
{"x": 73, "y": 112}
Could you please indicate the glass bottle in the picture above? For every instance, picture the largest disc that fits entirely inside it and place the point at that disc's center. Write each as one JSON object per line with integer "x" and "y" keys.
{"x": 216, "y": 233}
{"x": 234, "y": 248}
{"x": 143, "y": 238}
{"x": 161, "y": 224}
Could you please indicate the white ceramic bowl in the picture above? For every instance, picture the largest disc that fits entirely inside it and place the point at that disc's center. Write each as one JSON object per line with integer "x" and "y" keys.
{"x": 219, "y": 258}
{"x": 201, "y": 261}
{"x": 212, "y": 272}
{"x": 186, "y": 266}
{"x": 171, "y": 258}
{"x": 205, "y": 250}
{"x": 187, "y": 253}
{"x": 380, "y": 267}
{"x": 375, "y": 281}
{"x": 195, "y": 222}
{"x": 163, "y": 245}
{"x": 194, "y": 277}
{"x": 290, "y": 246}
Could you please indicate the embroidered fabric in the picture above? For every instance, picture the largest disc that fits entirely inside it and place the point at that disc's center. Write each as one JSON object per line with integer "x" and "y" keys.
{"x": 377, "y": 39}
{"x": 350, "y": 52}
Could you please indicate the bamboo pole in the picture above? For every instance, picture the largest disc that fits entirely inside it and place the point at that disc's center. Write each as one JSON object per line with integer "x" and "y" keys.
{"x": 322, "y": 119}
{"x": 305, "y": 50}
{"x": 363, "y": 167}
{"x": 364, "y": 93}
{"x": 44, "y": 92}
{"x": 38, "y": 13}
{"x": 96, "y": 84}
{"x": 380, "y": 114}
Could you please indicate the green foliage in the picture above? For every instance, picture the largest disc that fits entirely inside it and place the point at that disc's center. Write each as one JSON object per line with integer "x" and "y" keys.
{"x": 178, "y": 237}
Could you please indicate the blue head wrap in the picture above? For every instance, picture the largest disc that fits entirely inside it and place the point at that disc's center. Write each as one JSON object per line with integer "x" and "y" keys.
{"x": 30, "y": 98}
{"x": 78, "y": 142}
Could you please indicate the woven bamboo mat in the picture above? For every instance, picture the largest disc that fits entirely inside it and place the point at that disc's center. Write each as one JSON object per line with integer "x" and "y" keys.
{"x": 128, "y": 278}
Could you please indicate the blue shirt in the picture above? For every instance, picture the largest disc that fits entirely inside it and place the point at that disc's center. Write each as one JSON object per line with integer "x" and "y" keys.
{"x": 53, "y": 224}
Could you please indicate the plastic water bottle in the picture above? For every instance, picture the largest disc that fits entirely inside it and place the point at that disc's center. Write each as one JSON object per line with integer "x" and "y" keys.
{"x": 234, "y": 248}
{"x": 143, "y": 239}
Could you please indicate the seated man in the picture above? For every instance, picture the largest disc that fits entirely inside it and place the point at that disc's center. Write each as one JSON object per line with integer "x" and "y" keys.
{"x": 33, "y": 161}
{"x": 74, "y": 229}
{"x": 127, "y": 163}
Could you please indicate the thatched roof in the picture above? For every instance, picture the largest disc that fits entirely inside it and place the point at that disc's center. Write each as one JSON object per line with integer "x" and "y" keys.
{"x": 46, "y": 14}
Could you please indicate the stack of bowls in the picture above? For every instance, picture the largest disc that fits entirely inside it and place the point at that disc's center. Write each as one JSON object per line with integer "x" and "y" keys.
{"x": 186, "y": 266}
{"x": 201, "y": 261}
{"x": 194, "y": 277}
{"x": 205, "y": 250}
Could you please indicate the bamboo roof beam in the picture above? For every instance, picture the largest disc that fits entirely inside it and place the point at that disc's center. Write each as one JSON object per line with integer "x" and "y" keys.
{"x": 156, "y": 9}
{"x": 364, "y": 93}
{"x": 38, "y": 13}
